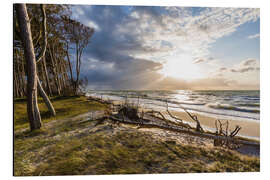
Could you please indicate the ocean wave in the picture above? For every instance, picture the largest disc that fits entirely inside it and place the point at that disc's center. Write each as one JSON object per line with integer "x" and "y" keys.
{"x": 249, "y": 104}
{"x": 188, "y": 103}
{"x": 172, "y": 101}
{"x": 231, "y": 107}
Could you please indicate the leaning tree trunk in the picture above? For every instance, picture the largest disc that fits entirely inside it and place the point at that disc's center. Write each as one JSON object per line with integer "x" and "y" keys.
{"x": 25, "y": 30}
{"x": 42, "y": 57}
{"x": 45, "y": 98}
{"x": 47, "y": 76}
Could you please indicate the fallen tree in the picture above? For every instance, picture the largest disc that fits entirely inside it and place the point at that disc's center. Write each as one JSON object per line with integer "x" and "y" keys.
{"x": 129, "y": 113}
{"x": 226, "y": 134}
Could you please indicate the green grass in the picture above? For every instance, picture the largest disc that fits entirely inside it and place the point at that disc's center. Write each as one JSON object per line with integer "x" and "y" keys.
{"x": 66, "y": 149}
{"x": 99, "y": 154}
{"x": 64, "y": 106}
{"x": 123, "y": 152}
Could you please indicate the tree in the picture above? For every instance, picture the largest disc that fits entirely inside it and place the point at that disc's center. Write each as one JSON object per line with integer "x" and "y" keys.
{"x": 79, "y": 35}
{"x": 40, "y": 57}
{"x": 54, "y": 39}
{"x": 26, "y": 37}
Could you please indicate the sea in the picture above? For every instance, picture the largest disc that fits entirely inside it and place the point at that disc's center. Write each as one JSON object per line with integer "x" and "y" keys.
{"x": 228, "y": 104}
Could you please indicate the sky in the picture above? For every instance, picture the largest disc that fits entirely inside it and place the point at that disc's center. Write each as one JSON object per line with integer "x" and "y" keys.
{"x": 169, "y": 48}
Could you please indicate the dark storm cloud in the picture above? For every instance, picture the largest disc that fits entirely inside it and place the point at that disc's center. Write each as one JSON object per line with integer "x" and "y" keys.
{"x": 107, "y": 58}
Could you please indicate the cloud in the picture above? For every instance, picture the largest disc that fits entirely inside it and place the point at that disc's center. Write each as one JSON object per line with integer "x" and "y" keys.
{"x": 254, "y": 36}
{"x": 213, "y": 83}
{"x": 130, "y": 43}
{"x": 217, "y": 83}
{"x": 249, "y": 62}
{"x": 246, "y": 66}
{"x": 223, "y": 69}
{"x": 198, "y": 61}
{"x": 242, "y": 70}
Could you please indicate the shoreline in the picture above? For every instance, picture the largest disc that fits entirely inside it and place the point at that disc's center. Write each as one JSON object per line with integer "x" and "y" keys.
{"x": 250, "y": 129}
{"x": 86, "y": 142}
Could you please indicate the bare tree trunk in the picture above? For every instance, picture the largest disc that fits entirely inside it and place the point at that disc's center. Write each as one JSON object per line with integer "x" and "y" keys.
{"x": 56, "y": 65}
{"x": 62, "y": 69}
{"x": 15, "y": 82}
{"x": 77, "y": 69}
{"x": 19, "y": 85}
{"x": 60, "y": 72}
{"x": 45, "y": 98}
{"x": 70, "y": 68}
{"x": 43, "y": 76}
{"x": 78, "y": 66}
{"x": 65, "y": 72}
{"x": 47, "y": 77}
{"x": 23, "y": 75}
{"x": 54, "y": 73}
{"x": 25, "y": 30}
{"x": 20, "y": 78}
{"x": 41, "y": 57}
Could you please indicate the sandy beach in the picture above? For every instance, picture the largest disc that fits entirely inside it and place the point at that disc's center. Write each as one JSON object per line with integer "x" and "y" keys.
{"x": 249, "y": 129}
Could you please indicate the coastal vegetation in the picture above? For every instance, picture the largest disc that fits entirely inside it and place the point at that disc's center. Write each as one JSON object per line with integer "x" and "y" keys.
{"x": 44, "y": 36}
{"x": 60, "y": 131}
{"x": 74, "y": 143}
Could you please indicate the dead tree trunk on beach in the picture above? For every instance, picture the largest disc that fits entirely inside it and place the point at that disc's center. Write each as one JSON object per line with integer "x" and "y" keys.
{"x": 193, "y": 117}
{"x": 225, "y": 133}
{"x": 26, "y": 36}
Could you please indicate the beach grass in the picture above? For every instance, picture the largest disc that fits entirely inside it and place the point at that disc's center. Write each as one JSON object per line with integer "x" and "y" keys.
{"x": 69, "y": 147}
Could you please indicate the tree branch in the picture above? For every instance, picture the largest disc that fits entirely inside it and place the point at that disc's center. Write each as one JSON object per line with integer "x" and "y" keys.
{"x": 44, "y": 22}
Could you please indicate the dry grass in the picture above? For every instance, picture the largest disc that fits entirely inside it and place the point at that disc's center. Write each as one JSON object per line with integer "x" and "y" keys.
{"x": 73, "y": 148}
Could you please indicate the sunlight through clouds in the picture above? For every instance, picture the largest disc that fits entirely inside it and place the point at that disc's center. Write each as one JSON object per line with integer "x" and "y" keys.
{"x": 179, "y": 39}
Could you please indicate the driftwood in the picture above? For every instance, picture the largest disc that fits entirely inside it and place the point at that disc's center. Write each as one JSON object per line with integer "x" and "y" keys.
{"x": 225, "y": 133}
{"x": 129, "y": 114}
{"x": 193, "y": 117}
{"x": 194, "y": 133}
{"x": 182, "y": 124}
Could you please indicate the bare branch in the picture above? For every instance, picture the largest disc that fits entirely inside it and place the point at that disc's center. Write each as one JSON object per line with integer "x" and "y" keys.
{"x": 235, "y": 131}
{"x": 44, "y": 22}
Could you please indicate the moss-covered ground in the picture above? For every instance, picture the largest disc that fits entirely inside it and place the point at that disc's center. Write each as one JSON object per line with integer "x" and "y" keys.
{"x": 64, "y": 106}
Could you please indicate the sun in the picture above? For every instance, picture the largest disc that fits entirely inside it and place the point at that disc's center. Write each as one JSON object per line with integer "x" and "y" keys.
{"x": 182, "y": 68}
